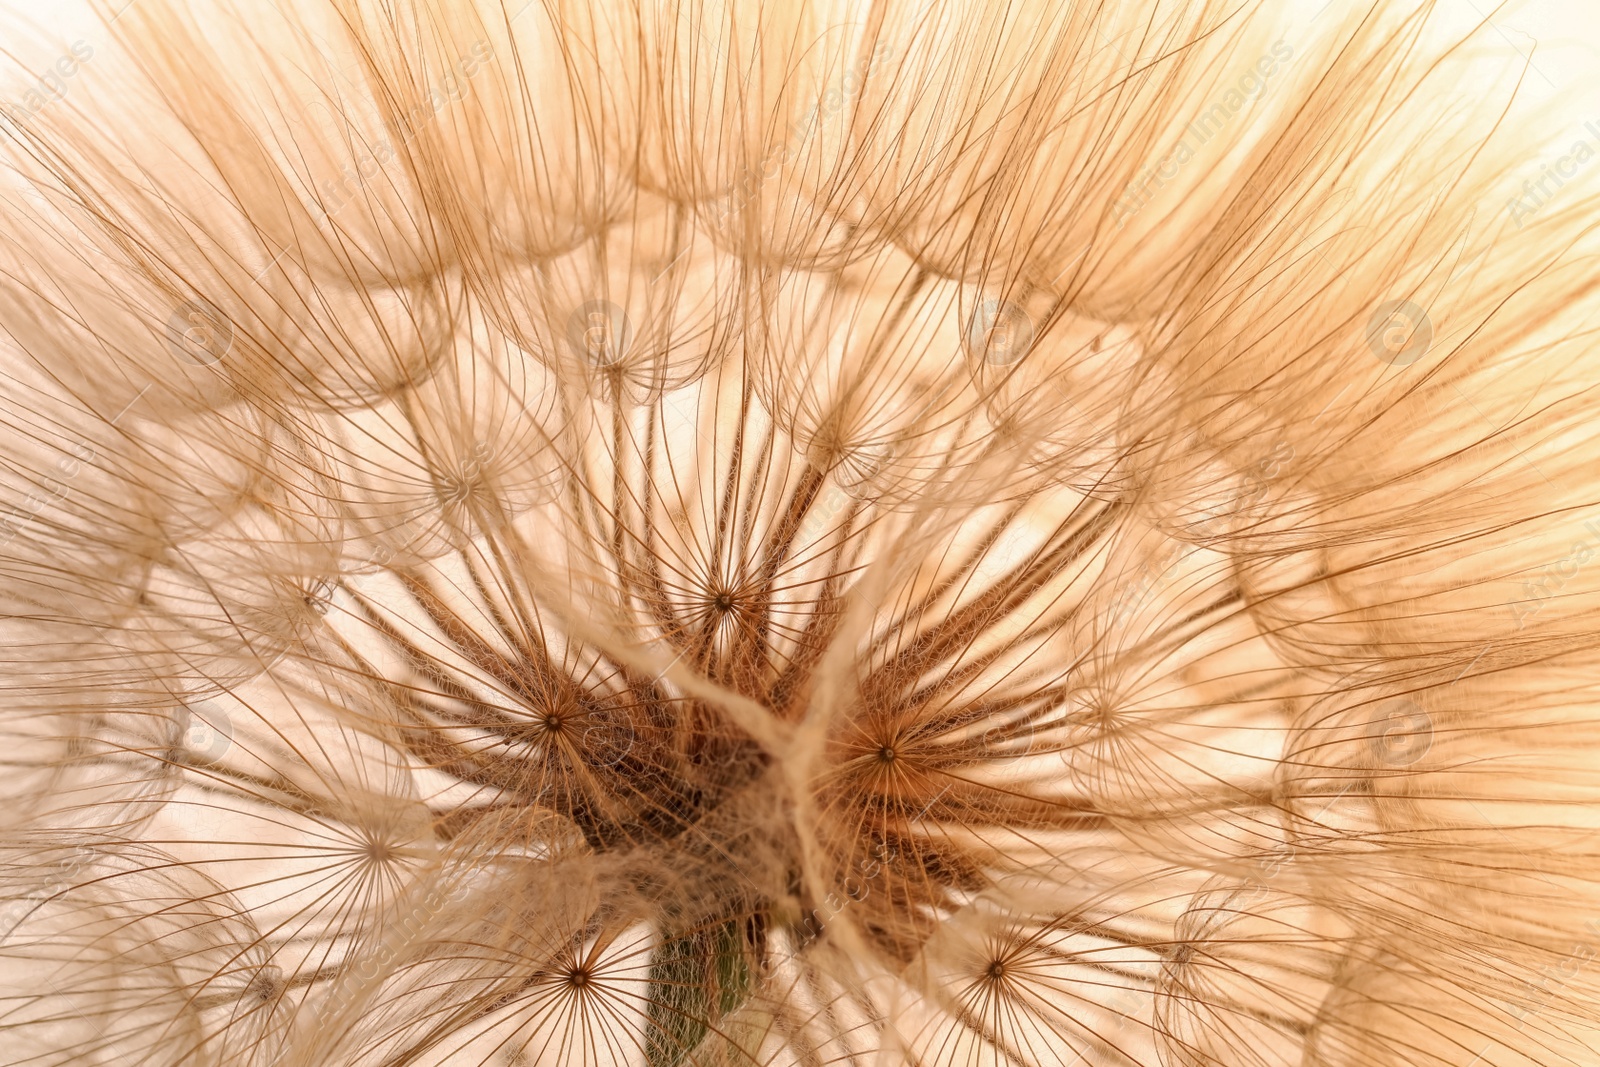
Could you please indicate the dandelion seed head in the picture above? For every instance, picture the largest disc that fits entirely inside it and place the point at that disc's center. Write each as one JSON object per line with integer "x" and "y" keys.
{"x": 719, "y": 533}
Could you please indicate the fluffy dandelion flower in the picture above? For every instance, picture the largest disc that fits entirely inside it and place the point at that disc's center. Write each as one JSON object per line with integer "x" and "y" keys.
{"x": 794, "y": 533}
